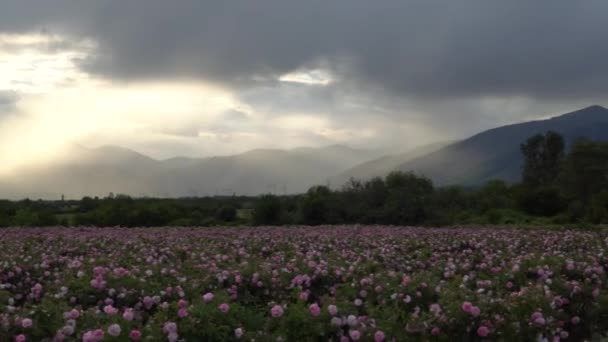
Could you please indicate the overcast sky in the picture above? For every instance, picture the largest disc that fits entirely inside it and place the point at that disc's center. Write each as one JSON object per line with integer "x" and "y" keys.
{"x": 199, "y": 78}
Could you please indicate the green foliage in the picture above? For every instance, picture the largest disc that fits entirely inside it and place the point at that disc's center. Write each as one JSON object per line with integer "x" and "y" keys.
{"x": 315, "y": 207}
{"x": 543, "y": 155}
{"x": 585, "y": 171}
{"x": 494, "y": 195}
{"x": 267, "y": 210}
{"x": 584, "y": 181}
{"x": 226, "y": 213}
{"x": 598, "y": 210}
{"x": 450, "y": 204}
{"x": 409, "y": 199}
{"x": 542, "y": 201}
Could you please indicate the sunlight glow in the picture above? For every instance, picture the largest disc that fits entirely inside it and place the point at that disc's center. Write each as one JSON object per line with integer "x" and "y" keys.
{"x": 38, "y": 134}
{"x": 60, "y": 105}
{"x": 36, "y": 63}
{"x": 309, "y": 77}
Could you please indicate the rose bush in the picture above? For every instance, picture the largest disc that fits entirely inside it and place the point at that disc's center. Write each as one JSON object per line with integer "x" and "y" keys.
{"x": 346, "y": 283}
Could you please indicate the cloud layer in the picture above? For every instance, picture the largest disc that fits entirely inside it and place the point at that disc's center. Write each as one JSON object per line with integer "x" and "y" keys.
{"x": 364, "y": 72}
{"x": 427, "y": 48}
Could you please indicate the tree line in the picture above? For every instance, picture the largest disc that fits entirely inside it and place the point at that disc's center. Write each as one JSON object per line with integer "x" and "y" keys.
{"x": 557, "y": 187}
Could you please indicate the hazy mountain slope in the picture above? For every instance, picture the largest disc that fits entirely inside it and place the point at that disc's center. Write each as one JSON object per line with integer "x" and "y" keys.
{"x": 97, "y": 172}
{"x": 495, "y": 153}
{"x": 261, "y": 171}
{"x": 83, "y": 171}
{"x": 383, "y": 165}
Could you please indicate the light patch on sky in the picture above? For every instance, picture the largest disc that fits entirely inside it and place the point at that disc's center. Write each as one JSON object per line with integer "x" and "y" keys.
{"x": 102, "y": 115}
{"x": 300, "y": 121}
{"x": 345, "y": 135}
{"x": 60, "y": 105}
{"x": 36, "y": 63}
{"x": 310, "y": 77}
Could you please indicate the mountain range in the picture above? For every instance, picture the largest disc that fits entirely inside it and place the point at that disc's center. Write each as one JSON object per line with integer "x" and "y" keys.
{"x": 495, "y": 153}
{"x": 99, "y": 171}
{"x": 488, "y": 155}
{"x": 381, "y": 166}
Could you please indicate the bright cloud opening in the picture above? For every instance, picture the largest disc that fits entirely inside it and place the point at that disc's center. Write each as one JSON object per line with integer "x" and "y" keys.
{"x": 310, "y": 77}
{"x": 59, "y": 104}
{"x": 39, "y": 63}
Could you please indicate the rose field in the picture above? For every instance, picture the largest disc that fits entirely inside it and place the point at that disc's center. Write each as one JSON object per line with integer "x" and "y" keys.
{"x": 350, "y": 283}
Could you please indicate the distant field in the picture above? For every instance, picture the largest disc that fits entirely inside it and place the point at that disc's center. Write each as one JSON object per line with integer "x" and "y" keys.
{"x": 343, "y": 283}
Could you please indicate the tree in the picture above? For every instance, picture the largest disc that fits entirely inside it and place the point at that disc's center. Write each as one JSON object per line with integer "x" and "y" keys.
{"x": 450, "y": 205}
{"x": 542, "y": 201}
{"x": 495, "y": 194}
{"x": 543, "y": 159}
{"x": 585, "y": 171}
{"x": 375, "y": 193}
{"x": 88, "y": 204}
{"x": 315, "y": 207}
{"x": 409, "y": 199}
{"x": 226, "y": 213}
{"x": 267, "y": 210}
{"x": 543, "y": 155}
{"x": 598, "y": 211}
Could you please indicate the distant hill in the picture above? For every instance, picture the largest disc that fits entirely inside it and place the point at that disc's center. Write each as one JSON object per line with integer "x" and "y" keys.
{"x": 97, "y": 172}
{"x": 262, "y": 171}
{"x": 488, "y": 155}
{"x": 495, "y": 153}
{"x": 383, "y": 165}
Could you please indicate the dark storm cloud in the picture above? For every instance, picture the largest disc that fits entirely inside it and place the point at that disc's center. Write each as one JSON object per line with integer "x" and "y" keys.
{"x": 427, "y": 49}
